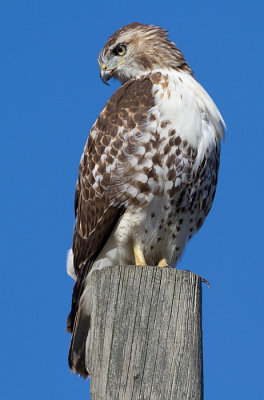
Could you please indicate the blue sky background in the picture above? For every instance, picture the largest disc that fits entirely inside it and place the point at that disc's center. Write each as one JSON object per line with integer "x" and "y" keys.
{"x": 50, "y": 95}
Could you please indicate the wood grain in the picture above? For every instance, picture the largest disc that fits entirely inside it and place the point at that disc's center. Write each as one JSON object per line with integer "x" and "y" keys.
{"x": 146, "y": 338}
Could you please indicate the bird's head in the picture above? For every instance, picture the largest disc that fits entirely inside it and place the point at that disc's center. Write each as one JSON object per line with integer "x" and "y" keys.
{"x": 137, "y": 49}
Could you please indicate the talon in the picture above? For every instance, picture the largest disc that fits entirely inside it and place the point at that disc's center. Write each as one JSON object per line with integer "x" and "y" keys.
{"x": 206, "y": 281}
{"x": 163, "y": 263}
{"x": 139, "y": 256}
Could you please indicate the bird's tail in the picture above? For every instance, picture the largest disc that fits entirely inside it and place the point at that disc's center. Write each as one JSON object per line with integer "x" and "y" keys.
{"x": 79, "y": 323}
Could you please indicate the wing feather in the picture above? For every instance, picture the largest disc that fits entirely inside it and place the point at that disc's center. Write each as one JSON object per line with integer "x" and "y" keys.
{"x": 105, "y": 182}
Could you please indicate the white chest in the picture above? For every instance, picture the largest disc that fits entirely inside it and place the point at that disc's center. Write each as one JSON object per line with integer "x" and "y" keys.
{"x": 184, "y": 106}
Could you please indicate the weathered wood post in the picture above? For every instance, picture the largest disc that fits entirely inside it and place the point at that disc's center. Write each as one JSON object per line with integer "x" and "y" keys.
{"x": 146, "y": 334}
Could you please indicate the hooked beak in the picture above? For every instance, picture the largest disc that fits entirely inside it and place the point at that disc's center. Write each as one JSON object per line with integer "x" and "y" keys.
{"x": 106, "y": 74}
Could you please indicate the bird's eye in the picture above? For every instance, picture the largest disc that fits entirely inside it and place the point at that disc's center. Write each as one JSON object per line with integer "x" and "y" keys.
{"x": 120, "y": 50}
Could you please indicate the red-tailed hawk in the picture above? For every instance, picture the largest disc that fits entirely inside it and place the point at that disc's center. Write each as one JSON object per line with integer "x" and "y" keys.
{"x": 148, "y": 173}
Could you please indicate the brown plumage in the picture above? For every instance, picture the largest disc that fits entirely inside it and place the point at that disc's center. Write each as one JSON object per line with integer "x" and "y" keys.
{"x": 98, "y": 209}
{"x": 148, "y": 174}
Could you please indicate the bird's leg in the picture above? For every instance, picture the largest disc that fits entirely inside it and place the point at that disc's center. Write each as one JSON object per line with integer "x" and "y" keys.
{"x": 139, "y": 256}
{"x": 163, "y": 263}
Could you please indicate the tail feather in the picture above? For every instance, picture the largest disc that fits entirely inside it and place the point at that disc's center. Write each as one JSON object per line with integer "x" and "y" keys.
{"x": 77, "y": 352}
{"x": 80, "y": 333}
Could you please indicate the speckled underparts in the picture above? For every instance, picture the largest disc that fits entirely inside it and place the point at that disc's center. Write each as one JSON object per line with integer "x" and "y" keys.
{"x": 148, "y": 173}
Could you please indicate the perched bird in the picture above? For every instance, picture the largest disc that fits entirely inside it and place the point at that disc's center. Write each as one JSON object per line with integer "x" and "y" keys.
{"x": 148, "y": 173}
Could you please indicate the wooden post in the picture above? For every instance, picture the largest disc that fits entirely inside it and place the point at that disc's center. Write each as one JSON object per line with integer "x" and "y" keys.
{"x": 146, "y": 334}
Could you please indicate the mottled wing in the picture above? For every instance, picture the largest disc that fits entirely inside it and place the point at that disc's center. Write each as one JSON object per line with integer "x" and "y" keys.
{"x": 106, "y": 180}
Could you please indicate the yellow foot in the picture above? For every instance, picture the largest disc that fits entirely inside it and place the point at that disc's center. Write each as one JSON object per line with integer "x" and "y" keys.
{"x": 163, "y": 263}
{"x": 139, "y": 256}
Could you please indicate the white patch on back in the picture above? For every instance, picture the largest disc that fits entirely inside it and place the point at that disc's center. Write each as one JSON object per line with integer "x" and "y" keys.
{"x": 70, "y": 265}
